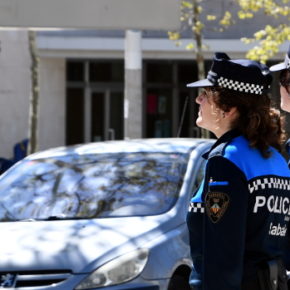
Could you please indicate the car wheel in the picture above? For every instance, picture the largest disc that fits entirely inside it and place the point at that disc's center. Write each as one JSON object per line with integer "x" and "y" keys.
{"x": 178, "y": 282}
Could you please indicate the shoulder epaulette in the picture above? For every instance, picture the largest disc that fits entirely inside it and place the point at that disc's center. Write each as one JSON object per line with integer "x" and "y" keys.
{"x": 218, "y": 150}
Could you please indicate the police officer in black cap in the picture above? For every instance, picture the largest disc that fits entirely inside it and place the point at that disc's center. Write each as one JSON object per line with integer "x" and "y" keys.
{"x": 238, "y": 218}
{"x": 284, "y": 69}
{"x": 284, "y": 78}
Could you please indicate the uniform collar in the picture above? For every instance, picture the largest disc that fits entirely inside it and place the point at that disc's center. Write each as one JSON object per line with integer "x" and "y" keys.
{"x": 228, "y": 136}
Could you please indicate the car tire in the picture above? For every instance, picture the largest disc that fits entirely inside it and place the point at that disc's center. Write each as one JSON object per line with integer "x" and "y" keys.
{"x": 178, "y": 282}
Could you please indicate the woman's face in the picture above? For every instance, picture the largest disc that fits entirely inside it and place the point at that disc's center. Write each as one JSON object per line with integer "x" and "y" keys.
{"x": 285, "y": 90}
{"x": 209, "y": 114}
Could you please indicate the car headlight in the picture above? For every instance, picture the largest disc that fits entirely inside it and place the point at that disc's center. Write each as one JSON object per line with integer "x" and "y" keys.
{"x": 119, "y": 270}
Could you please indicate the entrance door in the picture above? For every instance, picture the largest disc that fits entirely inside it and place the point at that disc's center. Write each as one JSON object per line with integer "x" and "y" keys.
{"x": 104, "y": 120}
{"x": 94, "y": 115}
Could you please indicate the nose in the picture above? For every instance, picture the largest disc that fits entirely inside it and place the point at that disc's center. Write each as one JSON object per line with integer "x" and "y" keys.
{"x": 199, "y": 98}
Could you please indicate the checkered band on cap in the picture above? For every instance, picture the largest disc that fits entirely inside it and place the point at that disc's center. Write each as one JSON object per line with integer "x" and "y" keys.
{"x": 240, "y": 86}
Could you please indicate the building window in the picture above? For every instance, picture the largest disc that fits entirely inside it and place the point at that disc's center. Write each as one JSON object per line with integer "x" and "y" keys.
{"x": 75, "y": 71}
{"x": 95, "y": 97}
{"x": 106, "y": 71}
{"x": 95, "y": 100}
{"x": 74, "y": 116}
{"x": 169, "y": 106}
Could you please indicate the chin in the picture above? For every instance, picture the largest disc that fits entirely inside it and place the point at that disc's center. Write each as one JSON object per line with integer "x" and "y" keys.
{"x": 286, "y": 108}
{"x": 199, "y": 123}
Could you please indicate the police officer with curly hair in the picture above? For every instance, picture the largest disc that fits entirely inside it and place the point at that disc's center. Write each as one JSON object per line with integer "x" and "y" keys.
{"x": 238, "y": 218}
{"x": 284, "y": 69}
{"x": 284, "y": 79}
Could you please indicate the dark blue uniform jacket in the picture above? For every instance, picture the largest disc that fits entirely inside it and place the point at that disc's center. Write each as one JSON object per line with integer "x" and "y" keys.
{"x": 239, "y": 216}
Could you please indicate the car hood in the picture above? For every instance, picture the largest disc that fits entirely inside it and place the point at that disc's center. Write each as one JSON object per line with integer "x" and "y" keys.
{"x": 76, "y": 245}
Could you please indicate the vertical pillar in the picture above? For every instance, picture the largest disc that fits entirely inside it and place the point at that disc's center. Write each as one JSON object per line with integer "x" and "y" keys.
{"x": 133, "y": 85}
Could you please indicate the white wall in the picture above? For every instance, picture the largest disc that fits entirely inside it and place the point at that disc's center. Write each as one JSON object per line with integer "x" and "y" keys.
{"x": 15, "y": 84}
{"x": 52, "y": 103}
{"x": 14, "y": 89}
{"x": 101, "y": 14}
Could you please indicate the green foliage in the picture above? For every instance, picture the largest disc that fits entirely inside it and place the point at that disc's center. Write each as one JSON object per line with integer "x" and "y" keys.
{"x": 190, "y": 20}
{"x": 267, "y": 40}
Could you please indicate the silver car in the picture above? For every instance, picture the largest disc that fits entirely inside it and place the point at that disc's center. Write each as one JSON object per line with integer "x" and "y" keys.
{"x": 107, "y": 215}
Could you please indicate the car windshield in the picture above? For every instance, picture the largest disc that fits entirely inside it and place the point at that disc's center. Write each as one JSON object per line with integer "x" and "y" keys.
{"x": 92, "y": 186}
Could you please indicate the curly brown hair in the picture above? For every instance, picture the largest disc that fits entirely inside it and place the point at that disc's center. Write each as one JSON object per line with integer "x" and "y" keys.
{"x": 258, "y": 121}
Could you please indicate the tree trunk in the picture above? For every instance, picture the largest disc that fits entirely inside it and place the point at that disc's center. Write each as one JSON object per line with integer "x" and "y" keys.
{"x": 34, "y": 96}
{"x": 199, "y": 53}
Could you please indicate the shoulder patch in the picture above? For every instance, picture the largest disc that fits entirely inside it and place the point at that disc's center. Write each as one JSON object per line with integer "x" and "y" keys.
{"x": 216, "y": 203}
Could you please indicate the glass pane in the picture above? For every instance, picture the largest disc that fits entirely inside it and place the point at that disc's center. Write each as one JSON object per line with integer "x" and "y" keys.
{"x": 75, "y": 71}
{"x": 184, "y": 122}
{"x": 97, "y": 133}
{"x": 74, "y": 116}
{"x": 159, "y": 72}
{"x": 159, "y": 113}
{"x": 187, "y": 72}
{"x": 118, "y": 72}
{"x": 106, "y": 71}
{"x": 92, "y": 186}
{"x": 116, "y": 116}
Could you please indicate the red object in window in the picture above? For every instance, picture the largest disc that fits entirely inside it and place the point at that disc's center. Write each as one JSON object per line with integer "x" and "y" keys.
{"x": 151, "y": 104}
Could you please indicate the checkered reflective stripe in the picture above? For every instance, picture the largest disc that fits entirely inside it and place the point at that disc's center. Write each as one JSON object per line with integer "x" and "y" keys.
{"x": 196, "y": 207}
{"x": 240, "y": 86}
{"x": 269, "y": 182}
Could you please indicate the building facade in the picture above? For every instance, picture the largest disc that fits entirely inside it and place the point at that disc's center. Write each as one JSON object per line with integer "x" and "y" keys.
{"x": 82, "y": 85}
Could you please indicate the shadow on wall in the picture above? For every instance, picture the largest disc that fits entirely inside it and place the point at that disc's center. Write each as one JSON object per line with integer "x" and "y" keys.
{"x": 20, "y": 151}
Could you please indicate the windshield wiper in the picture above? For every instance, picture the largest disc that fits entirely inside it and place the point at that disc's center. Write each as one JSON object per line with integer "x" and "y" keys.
{"x": 62, "y": 217}
{"x": 56, "y": 217}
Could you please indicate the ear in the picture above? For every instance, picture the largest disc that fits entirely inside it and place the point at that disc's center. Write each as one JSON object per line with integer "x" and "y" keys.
{"x": 232, "y": 113}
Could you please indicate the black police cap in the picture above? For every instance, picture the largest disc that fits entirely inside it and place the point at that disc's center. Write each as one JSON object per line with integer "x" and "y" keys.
{"x": 241, "y": 75}
{"x": 282, "y": 65}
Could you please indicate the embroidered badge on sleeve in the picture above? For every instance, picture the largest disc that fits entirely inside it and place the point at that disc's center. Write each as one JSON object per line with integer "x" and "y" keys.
{"x": 216, "y": 204}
